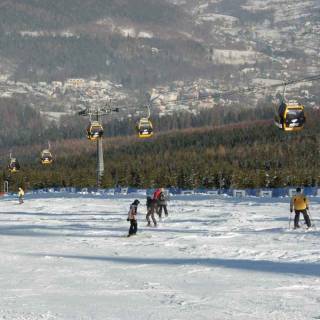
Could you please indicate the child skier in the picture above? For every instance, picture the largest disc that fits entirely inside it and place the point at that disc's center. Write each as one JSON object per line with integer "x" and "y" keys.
{"x": 132, "y": 217}
{"x": 20, "y": 195}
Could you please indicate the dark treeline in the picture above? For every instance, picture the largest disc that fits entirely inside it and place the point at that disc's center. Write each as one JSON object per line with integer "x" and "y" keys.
{"x": 245, "y": 155}
{"x": 19, "y": 124}
{"x": 216, "y": 116}
{"x": 22, "y": 125}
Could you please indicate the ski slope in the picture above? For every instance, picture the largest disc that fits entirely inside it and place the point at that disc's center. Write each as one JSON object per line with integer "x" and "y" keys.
{"x": 216, "y": 258}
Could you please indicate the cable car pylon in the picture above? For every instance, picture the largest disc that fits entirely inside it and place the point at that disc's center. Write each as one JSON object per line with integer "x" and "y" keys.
{"x": 95, "y": 132}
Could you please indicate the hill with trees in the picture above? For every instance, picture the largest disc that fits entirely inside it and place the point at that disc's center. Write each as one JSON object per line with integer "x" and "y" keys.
{"x": 248, "y": 154}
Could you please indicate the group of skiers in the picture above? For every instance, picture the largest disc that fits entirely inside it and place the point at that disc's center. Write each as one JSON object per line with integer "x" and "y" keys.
{"x": 158, "y": 202}
{"x": 155, "y": 204}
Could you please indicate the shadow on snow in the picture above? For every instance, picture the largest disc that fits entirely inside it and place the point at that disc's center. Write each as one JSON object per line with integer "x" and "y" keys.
{"x": 306, "y": 269}
{"x": 77, "y": 230}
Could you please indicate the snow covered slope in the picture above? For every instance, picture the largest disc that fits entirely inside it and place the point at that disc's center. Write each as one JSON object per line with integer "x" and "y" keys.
{"x": 212, "y": 258}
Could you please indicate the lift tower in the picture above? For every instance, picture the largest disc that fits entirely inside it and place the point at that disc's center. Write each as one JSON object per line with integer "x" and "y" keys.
{"x": 97, "y": 113}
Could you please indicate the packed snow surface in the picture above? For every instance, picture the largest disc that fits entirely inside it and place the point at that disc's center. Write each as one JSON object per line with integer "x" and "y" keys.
{"x": 216, "y": 258}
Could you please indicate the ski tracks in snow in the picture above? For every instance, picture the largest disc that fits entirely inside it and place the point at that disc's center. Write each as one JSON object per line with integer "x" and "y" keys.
{"x": 218, "y": 258}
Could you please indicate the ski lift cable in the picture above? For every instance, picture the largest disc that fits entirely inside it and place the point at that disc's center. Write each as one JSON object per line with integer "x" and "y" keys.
{"x": 97, "y": 112}
{"x": 252, "y": 89}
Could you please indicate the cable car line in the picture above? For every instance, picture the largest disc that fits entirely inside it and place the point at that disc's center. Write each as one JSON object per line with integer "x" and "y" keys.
{"x": 229, "y": 93}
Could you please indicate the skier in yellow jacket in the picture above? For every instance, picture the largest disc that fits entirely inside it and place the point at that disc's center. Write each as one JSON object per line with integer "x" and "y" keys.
{"x": 300, "y": 204}
{"x": 21, "y": 195}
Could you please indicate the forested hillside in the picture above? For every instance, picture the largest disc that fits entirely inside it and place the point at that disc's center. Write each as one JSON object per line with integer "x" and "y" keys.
{"x": 249, "y": 154}
{"x": 21, "y": 125}
{"x": 58, "y": 56}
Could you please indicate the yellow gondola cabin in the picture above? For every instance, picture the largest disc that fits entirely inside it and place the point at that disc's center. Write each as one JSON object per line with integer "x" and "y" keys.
{"x": 144, "y": 128}
{"x": 94, "y": 131}
{"x": 46, "y": 157}
{"x": 290, "y": 116}
{"x": 14, "y": 165}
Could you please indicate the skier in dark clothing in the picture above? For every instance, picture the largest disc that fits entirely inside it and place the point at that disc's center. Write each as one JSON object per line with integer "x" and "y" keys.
{"x": 151, "y": 206}
{"x": 162, "y": 204}
{"x": 132, "y": 217}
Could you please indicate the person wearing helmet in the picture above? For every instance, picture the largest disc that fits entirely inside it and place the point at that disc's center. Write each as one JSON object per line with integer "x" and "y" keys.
{"x": 20, "y": 195}
{"x": 300, "y": 204}
{"x": 132, "y": 217}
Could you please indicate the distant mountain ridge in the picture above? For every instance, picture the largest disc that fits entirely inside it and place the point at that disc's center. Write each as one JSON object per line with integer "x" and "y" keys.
{"x": 16, "y": 15}
{"x": 172, "y": 48}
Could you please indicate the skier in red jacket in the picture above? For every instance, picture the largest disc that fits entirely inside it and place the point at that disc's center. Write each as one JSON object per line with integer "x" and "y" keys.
{"x": 156, "y": 194}
{"x": 161, "y": 201}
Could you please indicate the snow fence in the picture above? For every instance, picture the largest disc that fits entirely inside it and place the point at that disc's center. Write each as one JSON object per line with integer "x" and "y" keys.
{"x": 263, "y": 192}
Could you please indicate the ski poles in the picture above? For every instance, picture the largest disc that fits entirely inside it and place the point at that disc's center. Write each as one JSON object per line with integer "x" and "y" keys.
{"x": 311, "y": 220}
{"x": 290, "y": 219}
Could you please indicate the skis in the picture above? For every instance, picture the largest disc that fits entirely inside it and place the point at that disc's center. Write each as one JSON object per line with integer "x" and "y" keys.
{"x": 304, "y": 229}
{"x": 151, "y": 226}
{"x": 138, "y": 235}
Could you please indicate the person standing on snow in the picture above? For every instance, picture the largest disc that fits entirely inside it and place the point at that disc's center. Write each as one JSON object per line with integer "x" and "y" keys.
{"x": 151, "y": 204}
{"x": 300, "y": 204}
{"x": 156, "y": 194}
{"x": 162, "y": 203}
{"x": 132, "y": 217}
{"x": 20, "y": 195}
{"x": 155, "y": 198}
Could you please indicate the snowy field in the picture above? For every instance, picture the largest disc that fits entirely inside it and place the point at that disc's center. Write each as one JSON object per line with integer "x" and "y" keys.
{"x": 213, "y": 258}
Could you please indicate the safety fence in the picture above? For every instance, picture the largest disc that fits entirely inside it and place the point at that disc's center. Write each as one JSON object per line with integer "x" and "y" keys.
{"x": 264, "y": 192}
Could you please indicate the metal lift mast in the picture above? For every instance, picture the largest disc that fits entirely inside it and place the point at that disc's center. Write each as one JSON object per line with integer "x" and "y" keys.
{"x": 98, "y": 113}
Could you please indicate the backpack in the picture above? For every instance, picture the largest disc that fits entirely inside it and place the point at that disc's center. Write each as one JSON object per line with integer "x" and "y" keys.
{"x": 162, "y": 197}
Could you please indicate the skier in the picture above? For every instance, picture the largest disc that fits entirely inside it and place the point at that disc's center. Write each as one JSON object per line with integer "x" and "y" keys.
{"x": 20, "y": 195}
{"x": 162, "y": 203}
{"x": 155, "y": 197}
{"x": 156, "y": 194}
{"x": 151, "y": 205}
{"x": 132, "y": 217}
{"x": 300, "y": 204}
